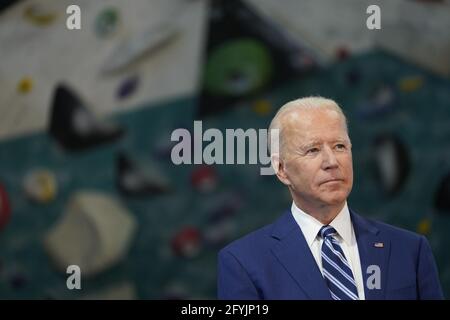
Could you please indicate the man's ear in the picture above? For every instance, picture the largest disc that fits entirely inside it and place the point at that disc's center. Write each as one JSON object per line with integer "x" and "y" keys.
{"x": 279, "y": 168}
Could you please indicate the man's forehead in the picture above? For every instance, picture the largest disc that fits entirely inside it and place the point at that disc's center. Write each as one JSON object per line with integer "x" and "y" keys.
{"x": 313, "y": 127}
{"x": 316, "y": 136}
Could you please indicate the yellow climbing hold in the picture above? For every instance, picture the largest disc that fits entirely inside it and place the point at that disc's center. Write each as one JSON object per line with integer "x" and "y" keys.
{"x": 410, "y": 84}
{"x": 39, "y": 15}
{"x": 25, "y": 85}
{"x": 262, "y": 107}
{"x": 40, "y": 185}
{"x": 424, "y": 226}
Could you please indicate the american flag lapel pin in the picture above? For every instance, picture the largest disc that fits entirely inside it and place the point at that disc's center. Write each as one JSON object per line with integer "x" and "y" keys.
{"x": 378, "y": 245}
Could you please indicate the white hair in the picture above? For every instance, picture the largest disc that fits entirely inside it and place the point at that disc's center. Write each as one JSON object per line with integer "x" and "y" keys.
{"x": 307, "y": 103}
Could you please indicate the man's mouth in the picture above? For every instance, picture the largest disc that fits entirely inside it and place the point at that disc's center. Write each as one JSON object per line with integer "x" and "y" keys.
{"x": 332, "y": 180}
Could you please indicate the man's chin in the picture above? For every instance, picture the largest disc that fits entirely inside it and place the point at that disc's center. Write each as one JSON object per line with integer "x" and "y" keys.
{"x": 335, "y": 199}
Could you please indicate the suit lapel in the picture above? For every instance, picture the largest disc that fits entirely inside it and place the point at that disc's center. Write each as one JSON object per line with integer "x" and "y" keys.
{"x": 293, "y": 253}
{"x": 373, "y": 253}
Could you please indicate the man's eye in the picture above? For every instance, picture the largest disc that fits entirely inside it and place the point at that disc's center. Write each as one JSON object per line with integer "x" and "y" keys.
{"x": 312, "y": 150}
{"x": 341, "y": 146}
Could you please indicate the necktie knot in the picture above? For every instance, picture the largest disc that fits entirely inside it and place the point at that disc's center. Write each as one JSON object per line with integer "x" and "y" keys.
{"x": 327, "y": 231}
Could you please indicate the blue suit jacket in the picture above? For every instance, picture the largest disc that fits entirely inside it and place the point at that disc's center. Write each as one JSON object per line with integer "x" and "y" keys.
{"x": 275, "y": 262}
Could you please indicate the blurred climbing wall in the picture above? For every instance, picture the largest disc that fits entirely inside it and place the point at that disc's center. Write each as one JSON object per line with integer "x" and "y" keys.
{"x": 85, "y": 171}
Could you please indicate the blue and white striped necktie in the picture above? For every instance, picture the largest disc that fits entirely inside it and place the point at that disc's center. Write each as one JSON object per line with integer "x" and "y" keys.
{"x": 336, "y": 269}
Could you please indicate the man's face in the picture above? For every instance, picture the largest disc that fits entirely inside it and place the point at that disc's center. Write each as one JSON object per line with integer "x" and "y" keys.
{"x": 316, "y": 158}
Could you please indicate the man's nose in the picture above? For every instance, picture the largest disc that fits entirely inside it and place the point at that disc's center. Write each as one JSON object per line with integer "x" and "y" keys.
{"x": 329, "y": 159}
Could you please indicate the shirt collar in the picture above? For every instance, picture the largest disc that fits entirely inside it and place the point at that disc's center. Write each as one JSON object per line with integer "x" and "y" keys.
{"x": 310, "y": 226}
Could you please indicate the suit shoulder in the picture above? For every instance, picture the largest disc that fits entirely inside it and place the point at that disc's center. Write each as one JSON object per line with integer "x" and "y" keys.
{"x": 394, "y": 232}
{"x": 251, "y": 242}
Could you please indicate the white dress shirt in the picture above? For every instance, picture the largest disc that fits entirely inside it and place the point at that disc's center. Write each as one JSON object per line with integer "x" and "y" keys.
{"x": 345, "y": 236}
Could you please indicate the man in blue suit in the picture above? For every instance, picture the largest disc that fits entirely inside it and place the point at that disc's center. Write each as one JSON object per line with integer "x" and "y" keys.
{"x": 321, "y": 249}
